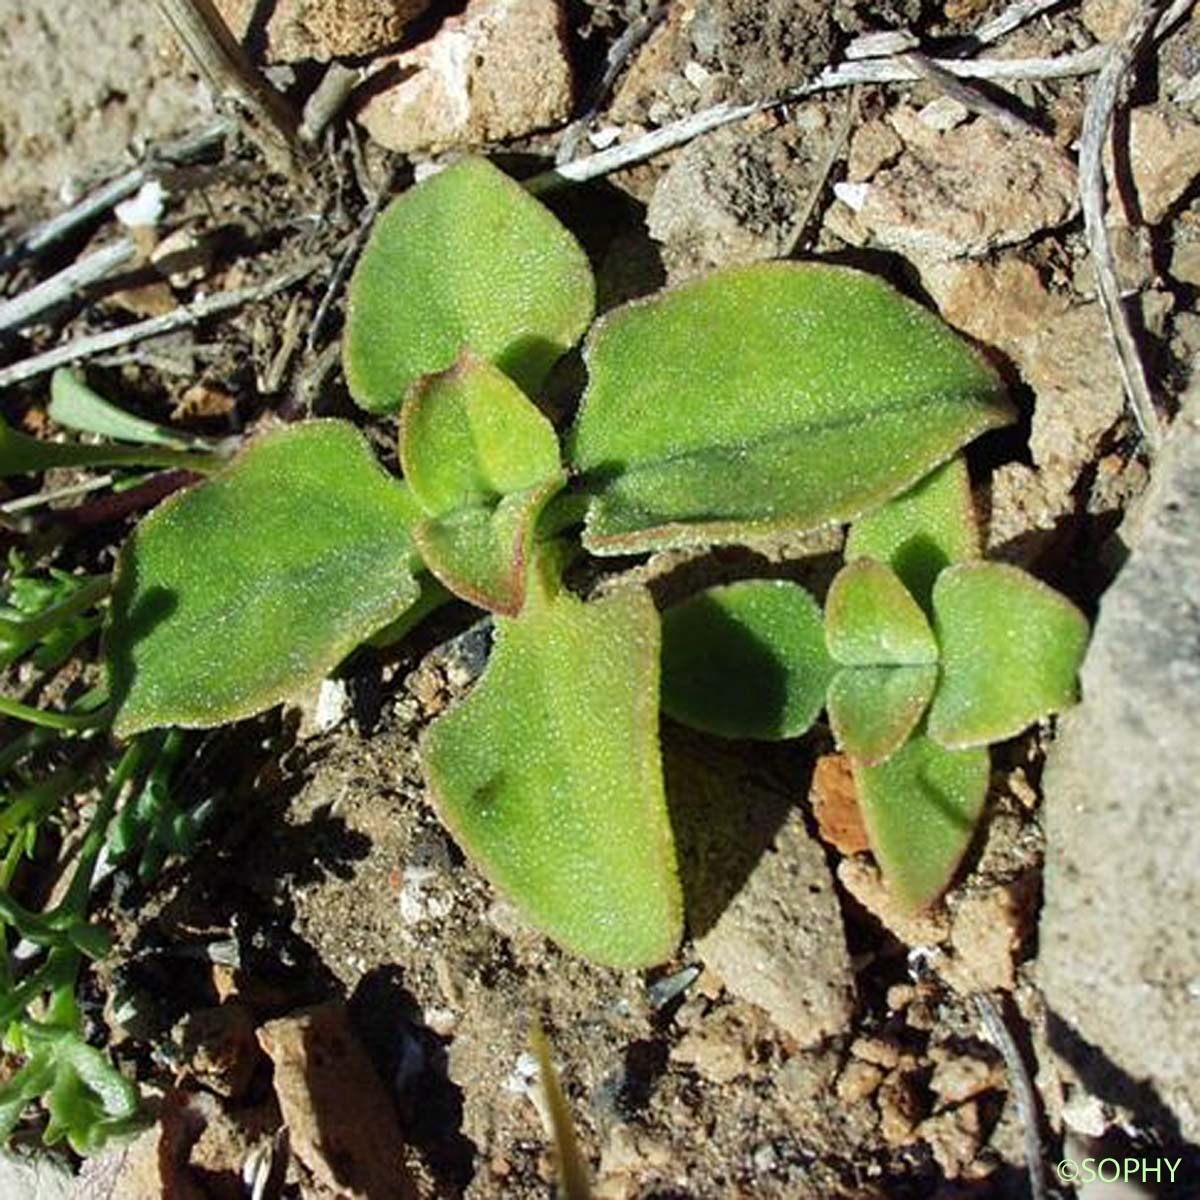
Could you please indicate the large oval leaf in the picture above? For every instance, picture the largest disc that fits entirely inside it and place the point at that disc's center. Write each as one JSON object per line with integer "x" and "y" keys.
{"x": 465, "y": 258}
{"x": 746, "y": 660}
{"x": 923, "y": 531}
{"x": 920, "y": 808}
{"x": 774, "y": 396}
{"x": 233, "y": 596}
{"x": 549, "y": 775}
{"x": 1011, "y": 652}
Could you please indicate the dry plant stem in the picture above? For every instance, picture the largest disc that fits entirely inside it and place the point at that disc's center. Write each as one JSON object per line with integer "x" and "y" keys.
{"x": 1097, "y": 125}
{"x": 30, "y": 305}
{"x": 970, "y": 98}
{"x": 846, "y": 75}
{"x": 327, "y": 101}
{"x": 188, "y": 314}
{"x": 1022, "y": 1089}
{"x": 97, "y": 203}
{"x": 1013, "y": 16}
{"x": 837, "y": 144}
{"x": 230, "y": 73}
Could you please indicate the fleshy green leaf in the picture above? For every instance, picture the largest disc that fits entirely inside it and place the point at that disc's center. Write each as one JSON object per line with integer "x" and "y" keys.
{"x": 549, "y": 775}
{"x": 872, "y": 621}
{"x": 872, "y": 710}
{"x": 23, "y": 455}
{"x": 920, "y": 808}
{"x": 1011, "y": 652}
{"x": 74, "y": 405}
{"x": 482, "y": 462}
{"x": 237, "y": 594}
{"x": 777, "y": 396}
{"x": 746, "y": 660}
{"x": 465, "y": 258}
{"x": 923, "y": 531}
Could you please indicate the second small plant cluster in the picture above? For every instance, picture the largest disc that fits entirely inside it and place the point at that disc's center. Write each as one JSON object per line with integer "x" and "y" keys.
{"x": 765, "y": 399}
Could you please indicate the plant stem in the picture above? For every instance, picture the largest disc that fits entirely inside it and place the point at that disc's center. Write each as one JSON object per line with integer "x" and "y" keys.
{"x": 68, "y": 722}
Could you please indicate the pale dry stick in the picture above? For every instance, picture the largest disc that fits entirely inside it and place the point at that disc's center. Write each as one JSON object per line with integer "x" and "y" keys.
{"x": 179, "y": 318}
{"x": 231, "y": 75}
{"x": 619, "y": 54}
{"x": 98, "y": 203}
{"x": 27, "y": 307}
{"x": 327, "y": 100}
{"x": 1012, "y": 17}
{"x": 1022, "y": 1089}
{"x": 605, "y": 162}
{"x": 833, "y": 152}
{"x": 970, "y": 98}
{"x": 1097, "y": 125}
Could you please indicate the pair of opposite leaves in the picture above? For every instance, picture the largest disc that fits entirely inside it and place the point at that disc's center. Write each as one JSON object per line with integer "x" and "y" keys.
{"x": 926, "y": 654}
{"x": 778, "y": 396}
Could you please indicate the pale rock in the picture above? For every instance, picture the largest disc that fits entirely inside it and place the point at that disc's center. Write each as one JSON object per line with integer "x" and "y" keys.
{"x": 780, "y": 945}
{"x": 341, "y": 1122}
{"x": 1119, "y": 957}
{"x": 968, "y": 191}
{"x": 500, "y": 70}
{"x": 1164, "y": 158}
{"x": 324, "y": 29}
{"x": 862, "y": 880}
{"x": 1185, "y": 263}
{"x": 1106, "y": 20}
{"x": 875, "y": 144}
{"x": 1062, "y": 352}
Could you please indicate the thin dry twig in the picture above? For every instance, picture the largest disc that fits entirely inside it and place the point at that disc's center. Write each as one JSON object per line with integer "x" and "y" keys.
{"x": 618, "y": 55}
{"x": 327, "y": 100}
{"x": 27, "y": 307}
{"x": 833, "y": 152}
{"x": 1022, "y": 1089}
{"x": 1097, "y": 125}
{"x": 179, "y": 318}
{"x": 231, "y": 74}
{"x": 970, "y": 98}
{"x": 605, "y": 162}
{"x": 98, "y": 202}
{"x": 1013, "y": 16}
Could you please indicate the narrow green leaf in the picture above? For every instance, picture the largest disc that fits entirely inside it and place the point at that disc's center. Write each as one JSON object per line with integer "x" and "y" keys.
{"x": 482, "y": 461}
{"x": 574, "y": 1178}
{"x": 237, "y": 594}
{"x": 1011, "y": 652}
{"x": 23, "y": 455}
{"x": 777, "y": 396}
{"x": 75, "y": 406}
{"x": 872, "y": 621}
{"x": 920, "y": 808}
{"x": 746, "y": 660}
{"x": 465, "y": 258}
{"x": 922, "y": 531}
{"x": 549, "y": 775}
{"x": 872, "y": 710}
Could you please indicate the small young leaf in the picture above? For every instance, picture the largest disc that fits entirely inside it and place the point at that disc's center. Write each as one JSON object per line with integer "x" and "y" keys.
{"x": 75, "y": 406}
{"x": 920, "y": 808}
{"x": 872, "y": 710}
{"x": 549, "y": 775}
{"x": 777, "y": 396}
{"x": 746, "y": 660}
{"x": 872, "y": 621}
{"x": 923, "y": 531}
{"x": 1011, "y": 652}
{"x": 237, "y": 594}
{"x": 465, "y": 258}
{"x": 22, "y": 455}
{"x": 482, "y": 462}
